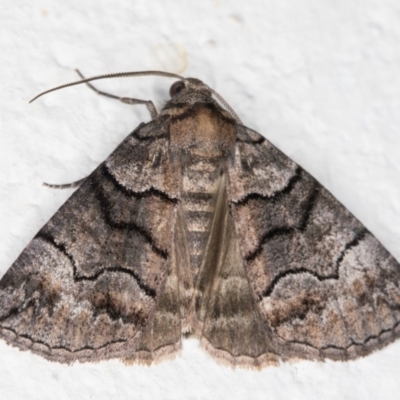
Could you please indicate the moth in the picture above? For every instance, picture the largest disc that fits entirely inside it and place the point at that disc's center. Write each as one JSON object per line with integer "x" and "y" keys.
{"x": 197, "y": 225}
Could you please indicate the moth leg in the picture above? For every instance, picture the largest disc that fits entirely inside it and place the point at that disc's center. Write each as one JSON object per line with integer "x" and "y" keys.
{"x": 65, "y": 185}
{"x": 127, "y": 100}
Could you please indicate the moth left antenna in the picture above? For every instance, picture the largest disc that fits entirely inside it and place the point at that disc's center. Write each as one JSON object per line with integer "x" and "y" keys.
{"x": 114, "y": 75}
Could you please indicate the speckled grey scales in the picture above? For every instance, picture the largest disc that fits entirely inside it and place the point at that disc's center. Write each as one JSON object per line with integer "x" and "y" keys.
{"x": 198, "y": 225}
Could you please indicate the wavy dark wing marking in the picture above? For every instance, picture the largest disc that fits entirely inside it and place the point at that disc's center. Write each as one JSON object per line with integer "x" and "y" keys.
{"x": 325, "y": 287}
{"x": 90, "y": 283}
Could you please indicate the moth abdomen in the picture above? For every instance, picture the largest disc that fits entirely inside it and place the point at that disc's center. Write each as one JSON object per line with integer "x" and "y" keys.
{"x": 201, "y": 179}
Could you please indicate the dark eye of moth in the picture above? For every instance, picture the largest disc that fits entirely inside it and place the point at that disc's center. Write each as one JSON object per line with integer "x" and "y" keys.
{"x": 176, "y": 88}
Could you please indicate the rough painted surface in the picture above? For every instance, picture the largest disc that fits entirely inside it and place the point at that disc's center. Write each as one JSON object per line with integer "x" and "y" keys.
{"x": 320, "y": 81}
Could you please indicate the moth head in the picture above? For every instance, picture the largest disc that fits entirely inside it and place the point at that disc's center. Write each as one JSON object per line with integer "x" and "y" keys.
{"x": 191, "y": 88}
{"x": 187, "y": 85}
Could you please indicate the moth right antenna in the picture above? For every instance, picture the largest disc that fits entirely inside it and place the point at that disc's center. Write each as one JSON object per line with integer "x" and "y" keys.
{"x": 227, "y": 106}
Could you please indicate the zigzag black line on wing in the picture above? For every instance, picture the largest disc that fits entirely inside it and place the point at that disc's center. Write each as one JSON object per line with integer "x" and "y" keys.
{"x": 352, "y": 341}
{"x": 296, "y": 177}
{"x": 335, "y": 275}
{"x": 105, "y": 172}
{"x": 131, "y": 226}
{"x": 24, "y": 336}
{"x": 287, "y": 230}
{"x": 60, "y": 247}
{"x": 109, "y": 311}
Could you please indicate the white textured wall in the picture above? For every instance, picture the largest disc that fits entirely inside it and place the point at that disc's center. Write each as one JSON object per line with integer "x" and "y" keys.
{"x": 319, "y": 78}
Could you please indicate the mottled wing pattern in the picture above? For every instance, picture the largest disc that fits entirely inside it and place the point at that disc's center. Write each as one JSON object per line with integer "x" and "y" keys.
{"x": 198, "y": 225}
{"x": 323, "y": 284}
{"x": 100, "y": 279}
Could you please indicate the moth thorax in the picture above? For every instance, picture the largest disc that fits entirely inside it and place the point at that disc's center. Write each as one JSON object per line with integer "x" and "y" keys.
{"x": 203, "y": 130}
